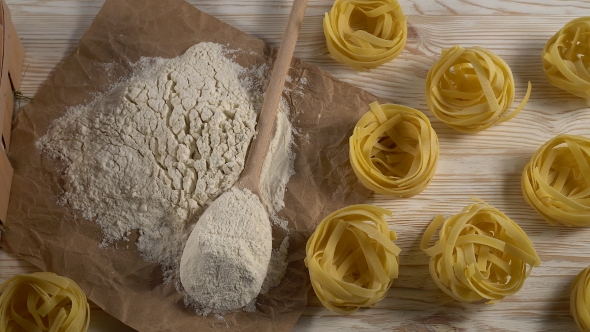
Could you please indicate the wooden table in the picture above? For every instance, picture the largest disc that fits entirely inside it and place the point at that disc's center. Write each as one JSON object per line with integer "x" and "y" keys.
{"x": 487, "y": 165}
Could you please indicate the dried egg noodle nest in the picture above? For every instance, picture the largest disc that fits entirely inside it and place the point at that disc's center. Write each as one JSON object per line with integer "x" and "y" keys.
{"x": 394, "y": 150}
{"x": 365, "y": 34}
{"x": 580, "y": 300}
{"x": 352, "y": 259}
{"x": 42, "y": 301}
{"x": 556, "y": 182}
{"x": 566, "y": 58}
{"x": 471, "y": 89}
{"x": 480, "y": 254}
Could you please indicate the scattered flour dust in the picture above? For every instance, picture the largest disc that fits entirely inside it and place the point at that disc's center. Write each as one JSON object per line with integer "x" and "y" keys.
{"x": 156, "y": 149}
{"x": 277, "y": 169}
{"x": 278, "y": 166}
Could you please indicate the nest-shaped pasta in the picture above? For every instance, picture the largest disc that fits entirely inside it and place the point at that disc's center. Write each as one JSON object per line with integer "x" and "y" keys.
{"x": 556, "y": 181}
{"x": 471, "y": 89}
{"x": 566, "y": 58}
{"x": 394, "y": 150}
{"x": 43, "y": 301}
{"x": 352, "y": 259}
{"x": 365, "y": 33}
{"x": 480, "y": 254}
{"x": 579, "y": 300}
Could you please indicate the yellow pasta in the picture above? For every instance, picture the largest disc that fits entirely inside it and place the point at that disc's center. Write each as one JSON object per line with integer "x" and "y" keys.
{"x": 352, "y": 259}
{"x": 566, "y": 58}
{"x": 480, "y": 254}
{"x": 365, "y": 33}
{"x": 471, "y": 89}
{"x": 556, "y": 181}
{"x": 42, "y": 301}
{"x": 580, "y": 300}
{"x": 394, "y": 150}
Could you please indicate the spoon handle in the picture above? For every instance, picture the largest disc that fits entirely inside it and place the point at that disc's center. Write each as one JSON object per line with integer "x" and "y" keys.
{"x": 250, "y": 177}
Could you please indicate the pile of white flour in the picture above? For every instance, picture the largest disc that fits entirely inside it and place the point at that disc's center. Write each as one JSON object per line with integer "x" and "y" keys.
{"x": 158, "y": 148}
{"x": 154, "y": 151}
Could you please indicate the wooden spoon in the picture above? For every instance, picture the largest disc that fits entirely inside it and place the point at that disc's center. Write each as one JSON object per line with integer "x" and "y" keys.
{"x": 224, "y": 262}
{"x": 250, "y": 177}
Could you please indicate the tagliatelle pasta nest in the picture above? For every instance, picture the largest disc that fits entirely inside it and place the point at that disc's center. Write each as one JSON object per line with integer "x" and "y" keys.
{"x": 43, "y": 301}
{"x": 480, "y": 254}
{"x": 471, "y": 89}
{"x": 394, "y": 150}
{"x": 556, "y": 181}
{"x": 566, "y": 58}
{"x": 365, "y": 33}
{"x": 580, "y": 300}
{"x": 352, "y": 259}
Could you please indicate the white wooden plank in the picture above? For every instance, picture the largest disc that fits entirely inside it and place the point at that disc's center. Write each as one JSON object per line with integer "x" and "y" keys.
{"x": 11, "y": 265}
{"x": 410, "y": 7}
{"x": 495, "y": 8}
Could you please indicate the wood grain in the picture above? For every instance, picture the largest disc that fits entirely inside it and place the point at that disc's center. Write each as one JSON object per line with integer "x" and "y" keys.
{"x": 487, "y": 165}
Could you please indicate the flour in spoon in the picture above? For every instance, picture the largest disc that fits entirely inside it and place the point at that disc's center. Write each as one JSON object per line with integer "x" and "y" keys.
{"x": 227, "y": 255}
{"x": 153, "y": 152}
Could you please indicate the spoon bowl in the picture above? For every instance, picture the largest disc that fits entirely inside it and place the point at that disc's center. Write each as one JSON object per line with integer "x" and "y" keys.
{"x": 228, "y": 276}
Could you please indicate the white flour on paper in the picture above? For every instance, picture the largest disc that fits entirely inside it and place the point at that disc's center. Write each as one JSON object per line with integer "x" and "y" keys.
{"x": 278, "y": 166}
{"x": 277, "y": 169}
{"x": 154, "y": 151}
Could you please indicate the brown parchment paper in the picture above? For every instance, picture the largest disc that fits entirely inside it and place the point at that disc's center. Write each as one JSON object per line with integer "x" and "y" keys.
{"x": 54, "y": 238}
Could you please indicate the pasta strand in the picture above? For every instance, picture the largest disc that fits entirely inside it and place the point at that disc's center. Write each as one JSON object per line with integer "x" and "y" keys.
{"x": 352, "y": 259}
{"x": 471, "y": 89}
{"x": 365, "y": 33}
{"x": 394, "y": 150}
{"x": 566, "y": 58}
{"x": 43, "y": 301}
{"x": 556, "y": 181}
{"x": 579, "y": 305}
{"x": 480, "y": 254}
